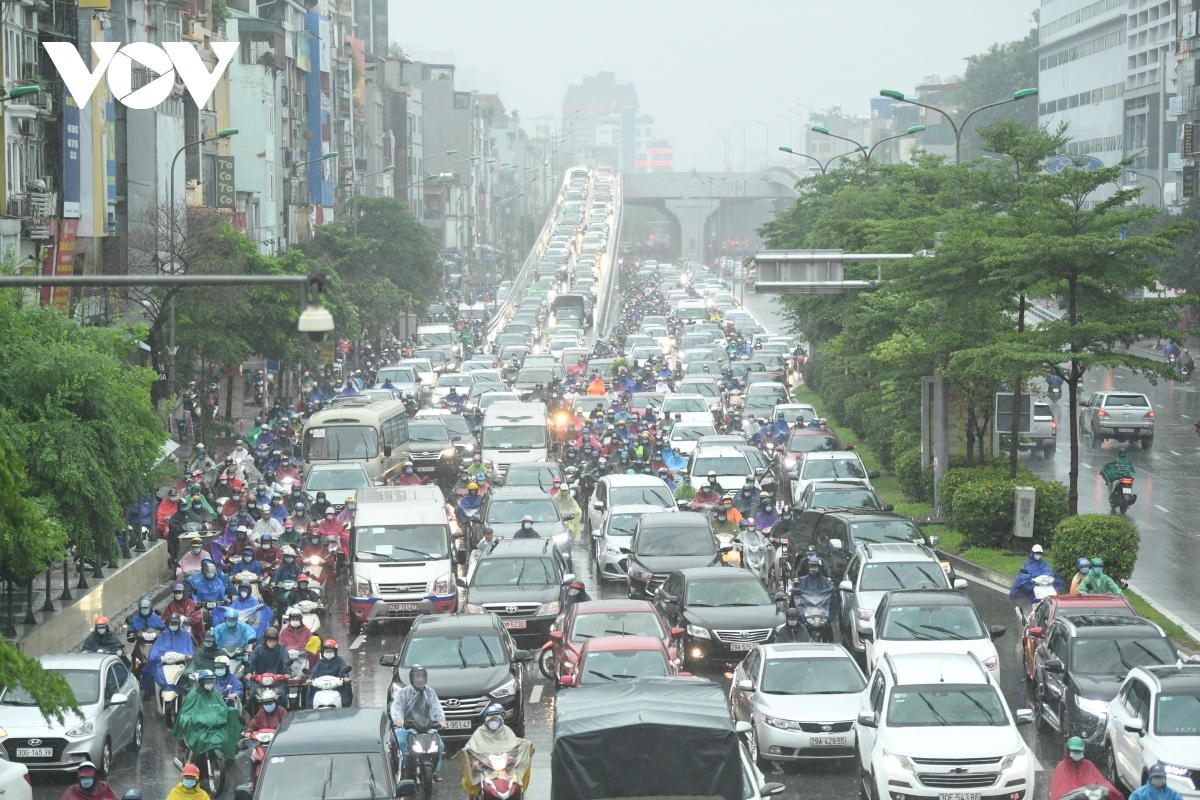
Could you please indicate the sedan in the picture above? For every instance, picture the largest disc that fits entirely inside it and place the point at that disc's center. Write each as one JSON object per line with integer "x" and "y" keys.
{"x": 461, "y": 382}
{"x": 599, "y": 618}
{"x": 690, "y": 408}
{"x": 613, "y": 537}
{"x": 338, "y": 480}
{"x": 612, "y": 658}
{"x": 684, "y": 437}
{"x": 724, "y": 612}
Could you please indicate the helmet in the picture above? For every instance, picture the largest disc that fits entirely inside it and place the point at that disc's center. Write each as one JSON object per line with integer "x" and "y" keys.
{"x": 191, "y": 771}
{"x": 1075, "y": 743}
{"x": 100, "y": 621}
{"x": 205, "y": 674}
{"x": 417, "y": 669}
{"x": 473, "y": 486}
{"x": 526, "y": 518}
{"x": 330, "y": 643}
{"x": 494, "y": 708}
{"x": 814, "y": 561}
{"x": 268, "y": 695}
{"x": 1097, "y": 562}
{"x": 270, "y": 633}
{"x": 132, "y": 794}
{"x": 221, "y": 660}
{"x": 793, "y": 613}
{"x": 302, "y": 578}
{"x": 1083, "y": 562}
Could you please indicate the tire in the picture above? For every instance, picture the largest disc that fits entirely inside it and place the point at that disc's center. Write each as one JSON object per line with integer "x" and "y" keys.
{"x": 215, "y": 769}
{"x": 135, "y": 744}
{"x": 547, "y": 665}
{"x": 169, "y": 714}
{"x": 1039, "y": 714}
{"x": 354, "y": 627}
{"x": 106, "y": 756}
{"x": 519, "y": 728}
{"x": 425, "y": 785}
{"x": 1049, "y": 451}
{"x": 1147, "y": 442}
{"x": 752, "y": 746}
{"x": 1110, "y": 765}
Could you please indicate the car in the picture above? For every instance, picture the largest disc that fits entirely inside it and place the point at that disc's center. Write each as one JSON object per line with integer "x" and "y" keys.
{"x": 691, "y": 408}
{"x": 110, "y": 703}
{"x": 533, "y": 473}
{"x": 610, "y": 658}
{"x": 875, "y": 570}
{"x": 427, "y": 442}
{"x": 587, "y": 404}
{"x": 724, "y": 612}
{"x": 728, "y": 462}
{"x": 930, "y": 621}
{"x": 1124, "y": 416}
{"x": 612, "y": 539}
{"x": 492, "y": 396}
{"x": 472, "y": 662}
{"x": 607, "y": 618}
{"x": 793, "y": 413}
{"x": 376, "y": 394}
{"x": 839, "y": 494}
{"x": 1043, "y": 432}
{"x": 575, "y": 360}
{"x": 1068, "y": 605}
{"x": 806, "y": 440}
{"x": 14, "y": 781}
{"x": 639, "y": 402}
{"x": 685, "y": 436}
{"x": 848, "y": 529}
{"x": 800, "y": 699}
{"x": 461, "y": 382}
{"x": 621, "y": 490}
{"x": 530, "y": 377}
{"x": 1079, "y": 667}
{"x": 505, "y": 506}
{"x": 337, "y": 479}
{"x": 404, "y": 377}
{"x": 524, "y": 582}
{"x": 664, "y": 544}
{"x": 843, "y": 466}
{"x": 936, "y": 725}
{"x": 707, "y": 388}
{"x": 1155, "y": 718}
{"x": 457, "y": 425}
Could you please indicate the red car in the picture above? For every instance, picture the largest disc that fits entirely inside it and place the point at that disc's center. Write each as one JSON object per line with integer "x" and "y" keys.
{"x": 1068, "y": 605}
{"x": 597, "y": 619}
{"x": 613, "y": 658}
{"x": 640, "y": 401}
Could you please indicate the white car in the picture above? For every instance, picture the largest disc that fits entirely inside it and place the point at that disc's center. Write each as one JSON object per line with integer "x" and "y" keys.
{"x": 661, "y": 335}
{"x": 930, "y": 621}
{"x": 684, "y": 437}
{"x": 14, "y": 781}
{"x": 460, "y": 381}
{"x": 828, "y": 466}
{"x": 708, "y": 388}
{"x": 935, "y": 725}
{"x": 625, "y": 490}
{"x": 802, "y": 700}
{"x": 691, "y": 408}
{"x": 1156, "y": 717}
{"x": 728, "y": 462}
{"x": 611, "y": 543}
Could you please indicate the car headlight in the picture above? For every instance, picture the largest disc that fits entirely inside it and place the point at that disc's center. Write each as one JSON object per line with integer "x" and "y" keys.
{"x": 991, "y": 663}
{"x": 444, "y": 584}
{"x": 545, "y": 609}
{"x": 640, "y": 574}
{"x": 696, "y": 632}
{"x": 505, "y": 690}
{"x": 1097, "y": 708}
{"x": 609, "y": 550}
{"x": 1017, "y": 762}
{"x": 362, "y": 587}
{"x": 449, "y": 452}
{"x": 782, "y": 724}
{"x": 894, "y": 762}
{"x": 474, "y": 609}
{"x": 469, "y": 447}
{"x": 83, "y": 729}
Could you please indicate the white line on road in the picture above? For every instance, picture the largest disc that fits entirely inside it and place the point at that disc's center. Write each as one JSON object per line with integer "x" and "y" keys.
{"x": 1037, "y": 765}
{"x": 1185, "y": 416}
{"x": 536, "y": 695}
{"x": 357, "y": 643}
{"x": 1172, "y": 453}
{"x": 1160, "y": 508}
{"x": 1085, "y": 465}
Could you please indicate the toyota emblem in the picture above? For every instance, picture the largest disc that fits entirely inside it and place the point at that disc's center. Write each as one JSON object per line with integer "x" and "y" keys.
{"x": 451, "y": 703}
{"x": 34, "y": 742}
{"x": 511, "y": 609}
{"x": 826, "y": 728}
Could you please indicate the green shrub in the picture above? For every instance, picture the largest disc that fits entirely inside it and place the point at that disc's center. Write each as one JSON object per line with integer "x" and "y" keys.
{"x": 916, "y": 482}
{"x": 1050, "y": 509}
{"x": 958, "y": 475}
{"x": 984, "y": 507}
{"x": 1115, "y": 539}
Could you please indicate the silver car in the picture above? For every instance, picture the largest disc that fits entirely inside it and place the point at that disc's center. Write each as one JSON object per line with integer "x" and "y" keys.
{"x": 108, "y": 696}
{"x": 611, "y": 540}
{"x": 1124, "y": 416}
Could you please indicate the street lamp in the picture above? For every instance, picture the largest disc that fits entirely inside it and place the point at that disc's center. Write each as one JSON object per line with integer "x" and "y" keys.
{"x": 912, "y": 130}
{"x": 822, "y": 129}
{"x": 824, "y": 167}
{"x": 958, "y": 127}
{"x": 18, "y": 91}
{"x": 1162, "y": 203}
{"x": 326, "y": 157}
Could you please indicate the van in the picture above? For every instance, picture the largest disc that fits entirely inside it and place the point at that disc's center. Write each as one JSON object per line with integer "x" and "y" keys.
{"x": 360, "y": 430}
{"x": 691, "y": 310}
{"x": 402, "y": 555}
{"x": 514, "y": 432}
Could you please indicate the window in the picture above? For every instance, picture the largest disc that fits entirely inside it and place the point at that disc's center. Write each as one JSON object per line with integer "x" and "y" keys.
{"x": 121, "y": 672}
{"x": 852, "y": 571}
{"x": 111, "y": 684}
{"x": 1141, "y": 698}
{"x": 462, "y": 101}
{"x": 877, "y": 687}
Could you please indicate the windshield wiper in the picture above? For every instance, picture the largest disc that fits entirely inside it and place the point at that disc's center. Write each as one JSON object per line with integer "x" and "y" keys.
{"x": 622, "y": 675}
{"x": 927, "y": 575}
{"x": 486, "y": 649}
{"x": 461, "y": 657}
{"x": 371, "y": 773}
{"x": 946, "y": 631}
{"x": 941, "y": 720}
{"x": 328, "y": 778}
{"x": 979, "y": 705}
{"x": 924, "y": 636}
{"x": 602, "y": 675}
{"x": 621, "y": 632}
{"x": 1121, "y": 655}
{"x": 899, "y": 582}
{"x": 1143, "y": 647}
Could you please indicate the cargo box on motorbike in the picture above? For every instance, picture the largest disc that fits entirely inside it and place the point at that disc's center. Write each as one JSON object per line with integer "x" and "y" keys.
{"x": 603, "y": 733}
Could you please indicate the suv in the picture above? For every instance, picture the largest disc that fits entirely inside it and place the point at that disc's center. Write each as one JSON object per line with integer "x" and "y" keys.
{"x": 472, "y": 663}
{"x": 428, "y": 444}
{"x": 1079, "y": 666}
{"x": 809, "y": 467}
{"x": 522, "y": 581}
{"x": 1124, "y": 416}
{"x": 924, "y": 621}
{"x": 1152, "y": 719}
{"x": 665, "y": 543}
{"x": 875, "y": 570}
{"x": 836, "y": 533}
{"x": 1065, "y": 605}
{"x": 1043, "y": 432}
{"x": 936, "y": 726}
{"x": 724, "y": 612}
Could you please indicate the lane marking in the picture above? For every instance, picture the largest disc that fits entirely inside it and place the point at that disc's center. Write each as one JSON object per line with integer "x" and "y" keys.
{"x": 536, "y": 695}
{"x": 1085, "y": 464}
{"x": 1037, "y": 765}
{"x": 1160, "y": 508}
{"x": 357, "y": 643}
{"x": 1171, "y": 451}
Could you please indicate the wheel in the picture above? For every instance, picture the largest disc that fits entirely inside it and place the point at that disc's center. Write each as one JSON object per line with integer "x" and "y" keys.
{"x": 546, "y": 664}
{"x": 1048, "y": 451}
{"x": 1147, "y": 442}
{"x": 1039, "y": 713}
{"x": 424, "y": 784}
{"x": 354, "y": 626}
{"x": 752, "y": 746}
{"x": 169, "y": 713}
{"x": 519, "y": 727}
{"x": 215, "y": 779}
{"x": 105, "y": 758}
{"x": 136, "y": 743}
{"x": 1110, "y": 765}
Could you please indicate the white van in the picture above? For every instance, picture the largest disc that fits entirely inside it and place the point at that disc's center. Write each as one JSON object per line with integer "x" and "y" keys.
{"x": 515, "y": 432}
{"x": 402, "y": 555}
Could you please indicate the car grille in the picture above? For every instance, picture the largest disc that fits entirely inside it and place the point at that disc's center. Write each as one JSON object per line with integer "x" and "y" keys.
{"x": 956, "y": 762}
{"x": 463, "y": 707}
{"x": 58, "y": 745}
{"x": 426, "y": 456}
{"x": 401, "y": 588}
{"x": 942, "y": 780}
{"x": 512, "y": 609}
{"x": 826, "y": 727}
{"x": 757, "y": 635}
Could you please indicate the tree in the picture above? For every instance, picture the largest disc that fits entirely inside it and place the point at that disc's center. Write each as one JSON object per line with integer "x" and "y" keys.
{"x": 993, "y": 76}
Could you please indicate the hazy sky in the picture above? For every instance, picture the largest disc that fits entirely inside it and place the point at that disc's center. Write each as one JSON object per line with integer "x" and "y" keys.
{"x": 700, "y": 66}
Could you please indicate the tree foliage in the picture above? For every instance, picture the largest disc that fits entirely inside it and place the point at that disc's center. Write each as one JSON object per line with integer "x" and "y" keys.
{"x": 993, "y": 76}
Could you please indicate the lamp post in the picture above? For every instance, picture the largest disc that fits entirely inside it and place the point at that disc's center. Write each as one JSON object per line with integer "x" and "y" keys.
{"x": 958, "y": 127}
{"x": 1161, "y": 197}
{"x": 743, "y": 130}
{"x": 18, "y": 91}
{"x": 824, "y": 166}
{"x": 822, "y": 129}
{"x": 912, "y": 130}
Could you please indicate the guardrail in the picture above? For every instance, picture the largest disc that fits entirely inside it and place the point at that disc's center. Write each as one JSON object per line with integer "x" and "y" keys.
{"x": 601, "y": 320}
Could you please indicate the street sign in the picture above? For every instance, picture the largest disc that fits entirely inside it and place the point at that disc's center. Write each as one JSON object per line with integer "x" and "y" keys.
{"x": 1189, "y": 139}
{"x": 1189, "y": 181}
{"x": 1059, "y": 163}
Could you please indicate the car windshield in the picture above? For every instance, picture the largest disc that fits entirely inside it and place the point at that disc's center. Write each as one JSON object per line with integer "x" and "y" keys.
{"x": 1131, "y": 400}
{"x": 401, "y": 542}
{"x": 533, "y": 571}
{"x": 700, "y": 388}
{"x": 616, "y": 623}
{"x": 337, "y": 776}
{"x": 459, "y": 649}
{"x": 814, "y": 443}
{"x": 683, "y": 541}
{"x": 885, "y": 530}
{"x": 1178, "y": 714}
{"x": 817, "y": 469}
{"x": 727, "y": 592}
{"x": 488, "y": 398}
{"x": 623, "y": 524}
{"x": 691, "y": 433}
{"x": 535, "y": 375}
{"x": 1116, "y": 656}
{"x": 811, "y": 676}
{"x": 427, "y": 432}
{"x": 341, "y": 443}
{"x": 84, "y": 683}
{"x": 396, "y": 375}
{"x": 540, "y": 475}
{"x": 640, "y": 495}
{"x": 641, "y": 401}
{"x": 722, "y": 465}
{"x": 924, "y": 623}
{"x": 512, "y": 437}
{"x": 458, "y": 380}
{"x": 857, "y": 498}
{"x": 502, "y": 510}
{"x": 885, "y": 576}
{"x": 435, "y": 337}
{"x": 761, "y": 401}
{"x": 324, "y": 480}
{"x": 691, "y": 405}
{"x": 614, "y": 665}
{"x": 927, "y": 706}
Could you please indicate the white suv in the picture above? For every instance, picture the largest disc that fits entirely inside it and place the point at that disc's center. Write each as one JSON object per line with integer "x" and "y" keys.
{"x": 936, "y": 725}
{"x": 1155, "y": 717}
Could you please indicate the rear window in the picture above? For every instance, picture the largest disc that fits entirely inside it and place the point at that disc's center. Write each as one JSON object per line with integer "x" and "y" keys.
{"x": 1132, "y": 400}
{"x": 689, "y": 540}
{"x": 808, "y": 443}
{"x": 884, "y": 531}
{"x": 616, "y": 623}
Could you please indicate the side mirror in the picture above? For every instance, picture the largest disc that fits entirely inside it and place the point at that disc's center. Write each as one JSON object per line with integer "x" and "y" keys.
{"x": 1036, "y": 631}
{"x": 570, "y": 576}
{"x": 404, "y": 788}
{"x": 726, "y": 547}
{"x": 873, "y": 474}
{"x": 867, "y": 720}
{"x": 570, "y": 516}
{"x": 522, "y": 655}
{"x": 960, "y": 583}
{"x": 682, "y": 505}
{"x": 460, "y": 582}
{"x": 746, "y": 686}
{"x": 1134, "y": 726}
{"x": 996, "y": 631}
{"x": 556, "y": 635}
{"x": 741, "y": 726}
{"x": 598, "y": 505}
{"x": 387, "y": 451}
{"x": 1053, "y": 665}
{"x": 388, "y": 660}
{"x": 867, "y": 635}
{"x": 768, "y": 789}
{"x": 1024, "y": 716}
{"x": 677, "y": 632}
{"x": 889, "y": 507}
{"x": 246, "y": 792}
{"x": 846, "y": 586}
{"x": 118, "y": 699}
{"x": 934, "y": 541}
{"x": 566, "y": 680}
{"x": 835, "y": 544}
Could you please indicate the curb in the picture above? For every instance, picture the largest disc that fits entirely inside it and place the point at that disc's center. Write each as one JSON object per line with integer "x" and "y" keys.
{"x": 976, "y": 571}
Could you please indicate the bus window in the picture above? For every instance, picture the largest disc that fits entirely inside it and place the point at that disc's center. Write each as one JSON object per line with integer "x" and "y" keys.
{"x": 341, "y": 443}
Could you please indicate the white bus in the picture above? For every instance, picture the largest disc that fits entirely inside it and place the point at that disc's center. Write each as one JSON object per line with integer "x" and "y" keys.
{"x": 358, "y": 430}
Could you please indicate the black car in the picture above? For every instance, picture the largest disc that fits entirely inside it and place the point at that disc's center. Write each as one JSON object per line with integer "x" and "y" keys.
{"x": 1080, "y": 665}
{"x": 472, "y": 663}
{"x": 533, "y": 473}
{"x": 666, "y": 543}
{"x": 524, "y": 583}
{"x": 724, "y": 612}
{"x": 835, "y": 533}
{"x": 529, "y": 377}
{"x": 427, "y": 443}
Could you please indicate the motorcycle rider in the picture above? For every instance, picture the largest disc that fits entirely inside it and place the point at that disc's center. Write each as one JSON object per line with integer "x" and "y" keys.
{"x": 269, "y": 715}
{"x": 745, "y": 501}
{"x": 208, "y": 584}
{"x": 494, "y": 737}
{"x": 234, "y": 633}
{"x": 227, "y": 684}
{"x": 279, "y": 512}
{"x": 296, "y": 495}
{"x": 1076, "y": 771}
{"x": 1172, "y": 349}
{"x": 1097, "y": 582}
{"x": 708, "y": 494}
{"x": 1121, "y": 467}
{"x": 205, "y": 722}
{"x": 330, "y": 663}
{"x": 1156, "y": 788}
{"x": 247, "y": 563}
{"x": 576, "y": 593}
{"x": 206, "y": 655}
{"x": 266, "y": 524}
{"x": 487, "y": 543}
{"x": 813, "y": 581}
{"x": 196, "y": 513}
{"x": 142, "y": 619}
{"x": 296, "y": 635}
{"x": 257, "y": 614}
{"x": 766, "y": 518}
{"x": 303, "y": 591}
{"x": 665, "y": 475}
{"x": 167, "y": 508}
{"x": 685, "y": 490}
{"x": 102, "y": 639}
{"x": 331, "y": 526}
{"x": 186, "y": 608}
{"x": 722, "y": 523}
{"x": 791, "y": 631}
{"x": 596, "y": 387}
{"x": 287, "y": 470}
{"x": 471, "y": 501}
{"x": 568, "y": 509}
{"x": 191, "y": 561}
{"x": 408, "y": 476}
{"x": 271, "y": 658}
{"x": 268, "y": 553}
{"x": 290, "y": 569}
{"x": 188, "y": 787}
{"x": 1083, "y": 566}
{"x": 88, "y": 786}
{"x": 526, "y": 530}
{"x": 673, "y": 459}
{"x": 201, "y": 461}
{"x": 477, "y": 471}
{"x": 417, "y": 700}
{"x": 173, "y": 640}
{"x": 1035, "y": 565}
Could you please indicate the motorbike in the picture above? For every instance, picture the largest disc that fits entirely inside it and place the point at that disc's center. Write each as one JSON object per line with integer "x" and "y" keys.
{"x": 1090, "y": 792}
{"x": 298, "y": 668}
{"x": 1120, "y": 494}
{"x": 327, "y": 694}
{"x": 815, "y": 612}
{"x": 496, "y": 774}
{"x": 779, "y": 571}
{"x": 212, "y": 768}
{"x": 315, "y": 568}
{"x": 731, "y": 549}
{"x": 170, "y": 698}
{"x": 1043, "y": 587}
{"x": 309, "y": 610}
{"x": 256, "y": 685}
{"x": 756, "y": 554}
{"x": 262, "y": 740}
{"x": 424, "y": 750}
{"x": 1056, "y": 393}
{"x": 143, "y": 641}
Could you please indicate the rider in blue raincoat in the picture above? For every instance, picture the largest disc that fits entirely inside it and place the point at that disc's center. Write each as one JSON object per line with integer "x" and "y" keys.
{"x": 1034, "y": 566}
{"x": 209, "y": 583}
{"x": 233, "y": 632}
{"x": 172, "y": 640}
{"x": 253, "y": 612}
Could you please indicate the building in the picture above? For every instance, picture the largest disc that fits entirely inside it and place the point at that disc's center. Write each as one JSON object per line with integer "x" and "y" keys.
{"x": 600, "y": 123}
{"x": 823, "y": 147}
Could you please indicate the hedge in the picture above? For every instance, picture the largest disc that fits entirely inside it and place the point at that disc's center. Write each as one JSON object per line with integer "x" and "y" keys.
{"x": 1115, "y": 539}
{"x": 984, "y": 508}
{"x": 956, "y": 476}
{"x": 915, "y": 482}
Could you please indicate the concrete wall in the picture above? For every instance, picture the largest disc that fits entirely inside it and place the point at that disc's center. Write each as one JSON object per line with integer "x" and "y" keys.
{"x": 117, "y": 592}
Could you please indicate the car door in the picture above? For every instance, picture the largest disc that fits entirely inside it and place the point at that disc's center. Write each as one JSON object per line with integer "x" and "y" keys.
{"x": 824, "y": 533}
{"x": 1054, "y": 683}
{"x": 1131, "y": 759}
{"x": 870, "y": 646}
{"x": 849, "y": 599}
{"x": 669, "y": 601}
{"x": 743, "y": 700}
{"x": 111, "y": 715}
{"x": 866, "y": 736}
{"x": 128, "y": 684}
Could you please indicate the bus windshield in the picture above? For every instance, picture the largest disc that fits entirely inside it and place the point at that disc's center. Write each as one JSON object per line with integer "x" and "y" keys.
{"x": 341, "y": 443}
{"x": 509, "y": 437}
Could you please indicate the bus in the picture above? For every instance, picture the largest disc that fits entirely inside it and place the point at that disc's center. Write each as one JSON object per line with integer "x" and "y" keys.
{"x": 359, "y": 430}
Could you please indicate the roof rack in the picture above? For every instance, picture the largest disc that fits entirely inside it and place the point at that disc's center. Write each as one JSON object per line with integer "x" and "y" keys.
{"x": 891, "y": 667}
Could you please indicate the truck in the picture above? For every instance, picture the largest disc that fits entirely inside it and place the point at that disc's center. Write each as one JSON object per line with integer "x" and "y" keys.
{"x": 651, "y": 738}
{"x": 570, "y": 305}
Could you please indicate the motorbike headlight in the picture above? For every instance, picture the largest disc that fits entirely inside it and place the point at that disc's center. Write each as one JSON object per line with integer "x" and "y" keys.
{"x": 546, "y": 609}
{"x": 696, "y": 632}
{"x": 894, "y": 762}
{"x": 444, "y": 584}
{"x": 1097, "y": 708}
{"x": 507, "y": 689}
{"x": 1017, "y": 762}
{"x": 416, "y": 747}
{"x": 474, "y": 609}
{"x": 362, "y": 587}
{"x": 448, "y": 452}
{"x": 86, "y": 728}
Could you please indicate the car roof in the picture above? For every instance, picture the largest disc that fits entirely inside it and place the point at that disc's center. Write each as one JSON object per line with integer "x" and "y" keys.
{"x": 1175, "y": 677}
{"x": 720, "y": 450}
{"x": 862, "y": 514}
{"x": 612, "y": 606}
{"x": 929, "y": 597}
{"x": 844, "y": 484}
{"x": 926, "y": 668}
{"x": 519, "y": 548}
{"x": 623, "y": 481}
{"x": 616, "y": 643}
{"x": 636, "y": 508}
{"x": 715, "y": 574}
{"x": 457, "y": 622}
{"x": 831, "y": 455}
{"x": 805, "y": 650}
{"x": 75, "y": 660}
{"x": 1096, "y": 600}
{"x": 1109, "y": 625}
{"x": 896, "y": 552}
{"x": 330, "y": 730}
{"x": 333, "y": 465}
{"x": 681, "y": 519}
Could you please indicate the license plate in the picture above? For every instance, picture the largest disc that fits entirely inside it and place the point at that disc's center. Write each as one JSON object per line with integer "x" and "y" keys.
{"x": 739, "y": 647}
{"x": 1124, "y": 430}
{"x": 35, "y": 752}
{"x": 458, "y": 724}
{"x": 514, "y": 624}
{"x": 396, "y": 608}
{"x": 426, "y": 469}
{"x": 958, "y": 796}
{"x": 827, "y": 741}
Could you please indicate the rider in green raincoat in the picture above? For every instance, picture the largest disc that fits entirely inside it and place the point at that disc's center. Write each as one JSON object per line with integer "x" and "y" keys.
{"x": 205, "y": 722}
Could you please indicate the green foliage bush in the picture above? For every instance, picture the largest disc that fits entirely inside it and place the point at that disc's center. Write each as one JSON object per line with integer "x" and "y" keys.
{"x": 1115, "y": 539}
{"x": 983, "y": 503}
{"x": 915, "y": 482}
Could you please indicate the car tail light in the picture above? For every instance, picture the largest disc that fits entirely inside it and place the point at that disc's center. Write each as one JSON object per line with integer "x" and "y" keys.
{"x": 1102, "y": 414}
{"x": 1149, "y": 415}
{"x": 26, "y": 777}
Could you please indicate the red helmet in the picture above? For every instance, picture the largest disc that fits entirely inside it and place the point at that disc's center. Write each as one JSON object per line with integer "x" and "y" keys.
{"x": 330, "y": 643}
